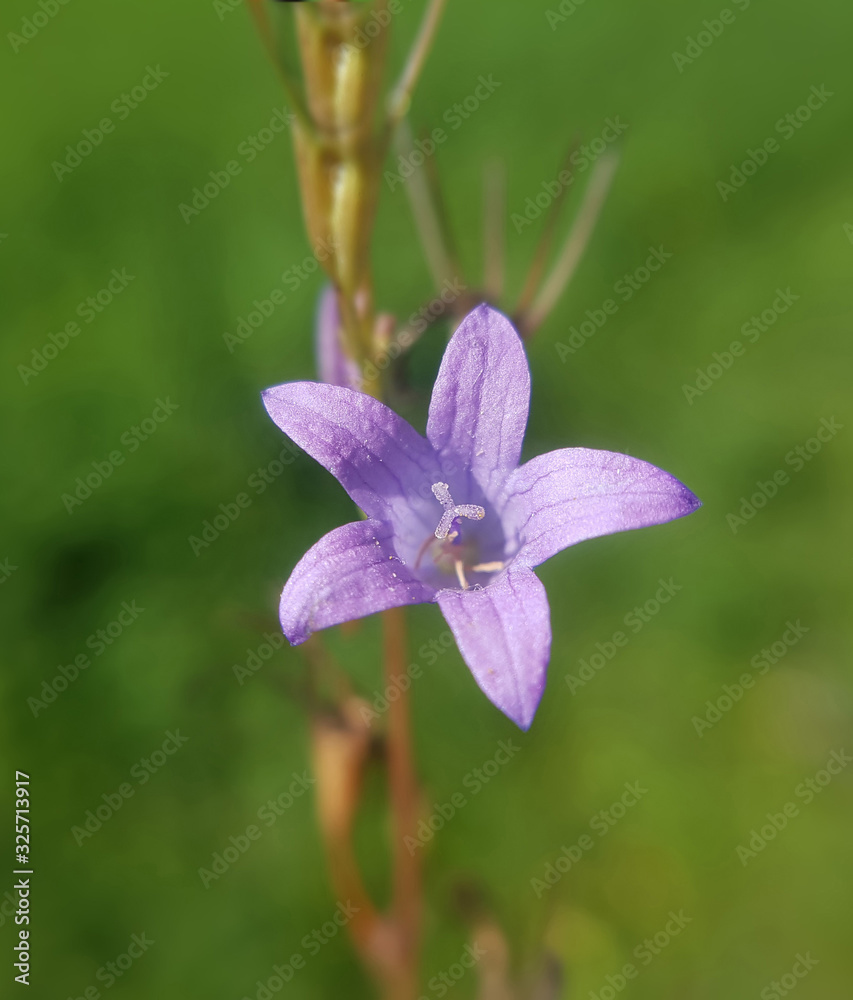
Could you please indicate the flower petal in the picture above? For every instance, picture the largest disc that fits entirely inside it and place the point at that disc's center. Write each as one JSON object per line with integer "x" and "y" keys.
{"x": 566, "y": 496}
{"x": 351, "y": 572}
{"x": 333, "y": 365}
{"x": 479, "y": 406}
{"x": 378, "y": 458}
{"x": 504, "y": 635}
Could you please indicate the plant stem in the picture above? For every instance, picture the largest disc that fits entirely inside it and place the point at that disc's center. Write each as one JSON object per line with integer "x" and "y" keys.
{"x": 427, "y": 219}
{"x": 288, "y": 79}
{"x": 403, "y": 793}
{"x": 575, "y": 244}
{"x": 543, "y": 248}
{"x": 398, "y": 103}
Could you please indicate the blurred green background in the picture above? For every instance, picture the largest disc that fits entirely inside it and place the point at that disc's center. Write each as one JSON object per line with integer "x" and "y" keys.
{"x": 160, "y": 338}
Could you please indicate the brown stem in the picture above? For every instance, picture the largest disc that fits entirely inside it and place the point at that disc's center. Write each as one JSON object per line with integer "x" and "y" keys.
{"x": 431, "y": 232}
{"x": 267, "y": 34}
{"x": 540, "y": 257}
{"x": 398, "y": 102}
{"x": 579, "y": 235}
{"x": 436, "y": 191}
{"x": 403, "y": 793}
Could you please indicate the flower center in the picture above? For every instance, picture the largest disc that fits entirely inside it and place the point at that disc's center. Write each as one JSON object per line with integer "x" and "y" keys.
{"x": 450, "y": 554}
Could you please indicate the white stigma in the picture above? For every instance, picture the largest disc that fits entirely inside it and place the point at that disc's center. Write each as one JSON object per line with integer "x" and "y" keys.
{"x": 452, "y": 510}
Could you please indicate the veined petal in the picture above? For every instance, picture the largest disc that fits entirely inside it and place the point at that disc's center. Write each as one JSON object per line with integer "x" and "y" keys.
{"x": 504, "y": 635}
{"x": 351, "y": 572}
{"x": 378, "y": 458}
{"x": 567, "y": 496}
{"x": 479, "y": 406}
{"x": 333, "y": 365}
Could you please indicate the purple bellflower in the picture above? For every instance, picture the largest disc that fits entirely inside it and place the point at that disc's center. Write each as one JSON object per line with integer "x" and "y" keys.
{"x": 452, "y": 518}
{"x": 333, "y": 365}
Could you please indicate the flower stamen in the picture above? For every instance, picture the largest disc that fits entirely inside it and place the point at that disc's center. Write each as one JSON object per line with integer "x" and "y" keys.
{"x": 489, "y": 567}
{"x": 452, "y": 510}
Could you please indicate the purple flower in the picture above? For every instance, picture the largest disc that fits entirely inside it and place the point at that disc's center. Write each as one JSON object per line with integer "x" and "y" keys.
{"x": 333, "y": 365}
{"x": 452, "y": 517}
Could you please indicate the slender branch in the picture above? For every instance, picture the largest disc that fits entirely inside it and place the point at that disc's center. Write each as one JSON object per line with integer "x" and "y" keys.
{"x": 387, "y": 943}
{"x": 406, "y": 902}
{"x": 291, "y": 88}
{"x": 398, "y": 101}
{"x": 494, "y": 229}
{"x": 436, "y": 195}
{"x": 493, "y": 969}
{"x": 427, "y": 221}
{"x": 576, "y": 242}
{"x": 339, "y": 751}
{"x": 540, "y": 257}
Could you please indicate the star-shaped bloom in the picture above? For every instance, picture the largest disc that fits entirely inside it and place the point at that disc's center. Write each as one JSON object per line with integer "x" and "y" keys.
{"x": 452, "y": 518}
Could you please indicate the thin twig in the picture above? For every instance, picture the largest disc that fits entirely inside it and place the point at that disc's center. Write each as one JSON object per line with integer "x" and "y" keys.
{"x": 398, "y": 101}
{"x": 576, "y": 242}
{"x": 436, "y": 194}
{"x": 265, "y": 29}
{"x": 493, "y": 969}
{"x": 438, "y": 256}
{"x": 403, "y": 791}
{"x": 540, "y": 257}
{"x": 339, "y": 753}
